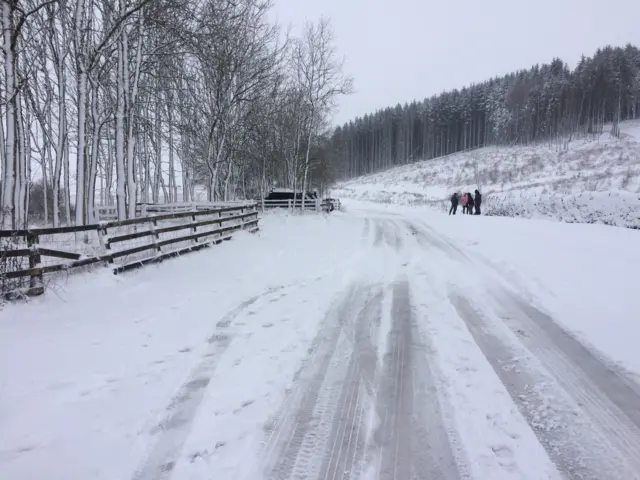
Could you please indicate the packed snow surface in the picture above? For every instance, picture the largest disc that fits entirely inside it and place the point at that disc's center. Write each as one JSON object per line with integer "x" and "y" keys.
{"x": 379, "y": 342}
{"x": 593, "y": 179}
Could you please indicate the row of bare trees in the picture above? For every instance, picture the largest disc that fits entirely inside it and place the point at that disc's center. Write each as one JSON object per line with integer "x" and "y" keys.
{"x": 117, "y": 102}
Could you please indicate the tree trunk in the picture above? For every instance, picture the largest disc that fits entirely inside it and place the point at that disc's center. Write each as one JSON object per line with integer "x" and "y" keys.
{"x": 9, "y": 167}
{"x": 306, "y": 160}
{"x": 108, "y": 165}
{"x": 131, "y": 106}
{"x": 21, "y": 186}
{"x": 173, "y": 188}
{"x": 67, "y": 182}
{"x": 158, "y": 146}
{"x": 93, "y": 164}
{"x": 120, "y": 170}
{"x": 80, "y": 165}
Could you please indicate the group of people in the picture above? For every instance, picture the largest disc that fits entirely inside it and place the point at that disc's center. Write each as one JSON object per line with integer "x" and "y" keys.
{"x": 468, "y": 203}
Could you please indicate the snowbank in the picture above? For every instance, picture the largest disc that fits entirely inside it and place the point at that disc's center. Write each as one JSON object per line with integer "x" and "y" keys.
{"x": 621, "y": 209}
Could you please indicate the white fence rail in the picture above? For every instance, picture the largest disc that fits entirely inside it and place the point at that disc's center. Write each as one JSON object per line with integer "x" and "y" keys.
{"x": 105, "y": 213}
{"x": 311, "y": 204}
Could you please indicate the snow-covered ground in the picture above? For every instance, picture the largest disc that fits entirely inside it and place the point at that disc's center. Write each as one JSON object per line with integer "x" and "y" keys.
{"x": 592, "y": 180}
{"x": 382, "y": 341}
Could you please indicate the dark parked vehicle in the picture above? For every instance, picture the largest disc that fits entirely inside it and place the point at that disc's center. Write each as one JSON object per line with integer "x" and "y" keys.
{"x": 284, "y": 198}
{"x": 331, "y": 204}
{"x": 285, "y": 195}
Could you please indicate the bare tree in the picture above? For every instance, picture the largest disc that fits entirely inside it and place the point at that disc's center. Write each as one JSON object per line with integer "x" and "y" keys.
{"x": 319, "y": 77}
{"x": 128, "y": 100}
{"x": 13, "y": 205}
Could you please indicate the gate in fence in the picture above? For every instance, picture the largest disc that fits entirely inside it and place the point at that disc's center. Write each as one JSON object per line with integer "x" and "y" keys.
{"x": 310, "y": 204}
{"x": 27, "y": 256}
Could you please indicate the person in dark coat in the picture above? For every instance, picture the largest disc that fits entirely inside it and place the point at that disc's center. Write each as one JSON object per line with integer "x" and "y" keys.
{"x": 454, "y": 204}
{"x": 469, "y": 203}
{"x": 478, "y": 201}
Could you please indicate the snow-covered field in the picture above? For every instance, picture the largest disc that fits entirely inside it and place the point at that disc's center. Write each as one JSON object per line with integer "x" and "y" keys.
{"x": 592, "y": 180}
{"x": 380, "y": 342}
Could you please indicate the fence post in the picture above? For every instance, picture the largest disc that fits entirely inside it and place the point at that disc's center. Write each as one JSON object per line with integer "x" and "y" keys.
{"x": 36, "y": 285}
{"x": 107, "y": 244}
{"x": 195, "y": 228}
{"x": 156, "y": 236}
{"x": 101, "y": 232}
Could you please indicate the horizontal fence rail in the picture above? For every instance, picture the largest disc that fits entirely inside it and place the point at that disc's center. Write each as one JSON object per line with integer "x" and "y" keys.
{"x": 110, "y": 212}
{"x": 27, "y": 255}
{"x": 310, "y": 204}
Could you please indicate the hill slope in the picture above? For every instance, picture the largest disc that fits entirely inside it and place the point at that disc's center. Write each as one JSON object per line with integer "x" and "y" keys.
{"x": 592, "y": 180}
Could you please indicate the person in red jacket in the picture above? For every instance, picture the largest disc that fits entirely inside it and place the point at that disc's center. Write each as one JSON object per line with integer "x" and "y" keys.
{"x": 469, "y": 203}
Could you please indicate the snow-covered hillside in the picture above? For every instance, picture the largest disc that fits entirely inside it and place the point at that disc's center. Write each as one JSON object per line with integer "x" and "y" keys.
{"x": 592, "y": 180}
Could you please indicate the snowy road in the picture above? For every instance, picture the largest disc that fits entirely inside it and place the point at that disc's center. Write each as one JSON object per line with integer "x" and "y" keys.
{"x": 372, "y": 344}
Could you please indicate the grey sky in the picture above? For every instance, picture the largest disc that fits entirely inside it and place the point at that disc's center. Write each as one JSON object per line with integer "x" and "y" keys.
{"x": 400, "y": 50}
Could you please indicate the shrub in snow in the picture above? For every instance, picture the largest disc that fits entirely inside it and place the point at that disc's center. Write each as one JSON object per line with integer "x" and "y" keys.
{"x": 11, "y": 288}
{"x": 619, "y": 209}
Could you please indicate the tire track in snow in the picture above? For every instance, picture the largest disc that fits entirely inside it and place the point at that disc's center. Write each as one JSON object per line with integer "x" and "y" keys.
{"x": 366, "y": 228}
{"x": 411, "y": 439}
{"x": 379, "y": 237}
{"x": 561, "y": 413}
{"x": 346, "y": 445}
{"x": 610, "y": 401}
{"x": 366, "y": 336}
{"x": 398, "y": 240}
{"x": 342, "y": 446}
{"x": 387, "y": 233}
{"x": 621, "y": 390}
{"x": 173, "y": 431}
{"x": 391, "y": 238}
{"x": 286, "y": 433}
{"x": 549, "y": 421}
{"x": 428, "y": 238}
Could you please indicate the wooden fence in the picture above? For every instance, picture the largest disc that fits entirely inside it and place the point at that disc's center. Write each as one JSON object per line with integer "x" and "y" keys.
{"x": 105, "y": 213}
{"x": 310, "y": 204}
{"x": 26, "y": 256}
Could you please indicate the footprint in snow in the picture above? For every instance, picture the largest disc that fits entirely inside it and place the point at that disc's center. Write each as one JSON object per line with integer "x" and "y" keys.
{"x": 194, "y": 456}
{"x": 244, "y": 405}
{"x": 267, "y": 325}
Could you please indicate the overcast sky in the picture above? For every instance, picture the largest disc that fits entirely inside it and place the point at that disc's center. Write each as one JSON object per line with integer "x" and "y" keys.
{"x": 401, "y": 50}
